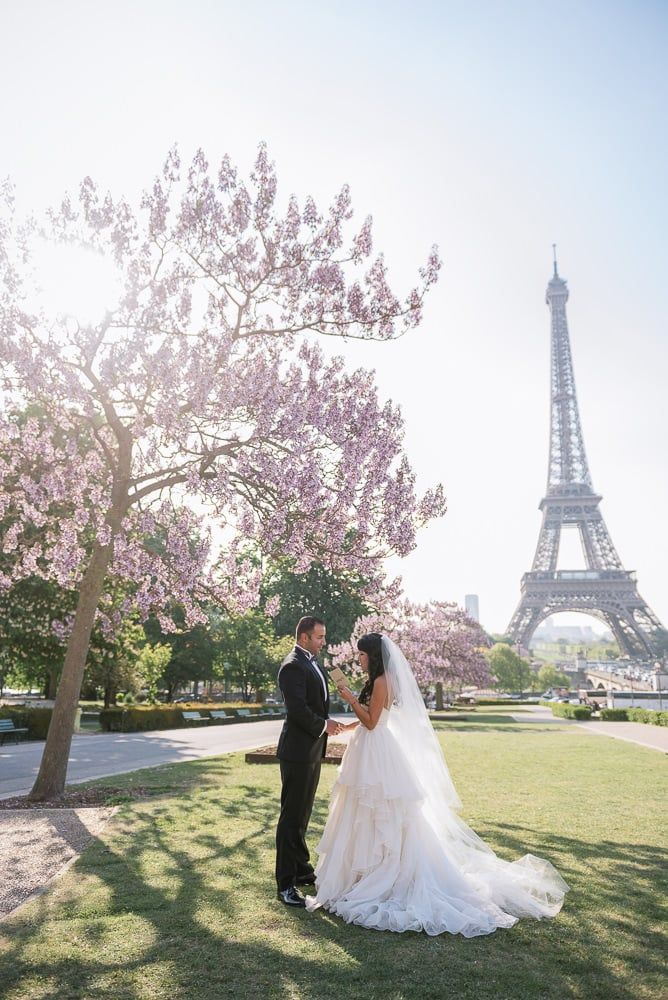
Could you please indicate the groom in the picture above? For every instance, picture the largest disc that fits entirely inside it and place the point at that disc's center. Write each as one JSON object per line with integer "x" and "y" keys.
{"x": 301, "y": 747}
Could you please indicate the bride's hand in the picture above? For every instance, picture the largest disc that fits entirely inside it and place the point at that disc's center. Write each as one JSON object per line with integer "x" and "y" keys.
{"x": 347, "y": 695}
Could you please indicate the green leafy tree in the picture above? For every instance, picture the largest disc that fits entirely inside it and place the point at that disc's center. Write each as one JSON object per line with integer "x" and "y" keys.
{"x": 550, "y": 677}
{"x": 31, "y": 654}
{"x": 193, "y": 650}
{"x": 152, "y": 663}
{"x": 510, "y": 671}
{"x": 113, "y": 665}
{"x": 335, "y": 597}
{"x": 249, "y": 652}
{"x": 660, "y": 642}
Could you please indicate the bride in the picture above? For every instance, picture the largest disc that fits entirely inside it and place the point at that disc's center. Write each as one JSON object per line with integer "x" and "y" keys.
{"x": 394, "y": 855}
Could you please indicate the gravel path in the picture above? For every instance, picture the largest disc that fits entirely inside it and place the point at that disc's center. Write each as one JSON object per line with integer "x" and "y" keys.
{"x": 37, "y": 845}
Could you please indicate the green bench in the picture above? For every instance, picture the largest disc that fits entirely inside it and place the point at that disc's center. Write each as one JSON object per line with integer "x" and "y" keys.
{"x": 194, "y": 718}
{"x": 8, "y": 729}
{"x": 220, "y": 715}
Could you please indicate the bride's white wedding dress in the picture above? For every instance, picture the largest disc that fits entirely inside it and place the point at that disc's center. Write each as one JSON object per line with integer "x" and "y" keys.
{"x": 395, "y": 856}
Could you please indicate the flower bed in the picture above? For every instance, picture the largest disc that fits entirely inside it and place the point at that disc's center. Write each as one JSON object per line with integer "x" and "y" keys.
{"x": 267, "y": 755}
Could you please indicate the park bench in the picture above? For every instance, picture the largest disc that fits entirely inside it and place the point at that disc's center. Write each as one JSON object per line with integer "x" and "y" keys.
{"x": 8, "y": 729}
{"x": 272, "y": 713}
{"x": 193, "y": 718}
{"x": 220, "y": 715}
{"x": 244, "y": 714}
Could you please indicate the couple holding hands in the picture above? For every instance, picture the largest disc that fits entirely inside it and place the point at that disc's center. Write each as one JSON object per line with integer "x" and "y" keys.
{"x": 394, "y": 854}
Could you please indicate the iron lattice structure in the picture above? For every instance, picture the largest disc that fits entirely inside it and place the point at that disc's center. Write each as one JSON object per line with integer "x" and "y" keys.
{"x": 604, "y": 588}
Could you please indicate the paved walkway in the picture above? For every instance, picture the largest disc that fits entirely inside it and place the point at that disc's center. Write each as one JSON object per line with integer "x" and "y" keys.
{"x": 654, "y": 737}
{"x": 99, "y": 755}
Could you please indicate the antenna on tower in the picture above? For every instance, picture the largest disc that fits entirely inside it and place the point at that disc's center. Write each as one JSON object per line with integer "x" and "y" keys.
{"x": 554, "y": 254}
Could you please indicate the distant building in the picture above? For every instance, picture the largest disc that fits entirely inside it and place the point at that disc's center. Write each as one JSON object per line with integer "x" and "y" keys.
{"x": 472, "y": 607}
{"x": 550, "y": 632}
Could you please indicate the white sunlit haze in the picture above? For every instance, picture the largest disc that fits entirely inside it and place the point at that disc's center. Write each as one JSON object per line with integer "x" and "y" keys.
{"x": 74, "y": 281}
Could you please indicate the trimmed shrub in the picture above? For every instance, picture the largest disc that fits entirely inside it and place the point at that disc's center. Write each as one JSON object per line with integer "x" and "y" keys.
{"x": 35, "y": 720}
{"x": 579, "y": 712}
{"x": 614, "y": 715}
{"x": 142, "y": 718}
{"x": 649, "y": 716}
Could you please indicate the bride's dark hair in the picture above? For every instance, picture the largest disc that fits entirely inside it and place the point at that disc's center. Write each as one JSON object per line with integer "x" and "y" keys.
{"x": 372, "y": 646}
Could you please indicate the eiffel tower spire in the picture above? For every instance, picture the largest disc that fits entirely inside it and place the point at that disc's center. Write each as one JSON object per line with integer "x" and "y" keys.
{"x": 568, "y": 461}
{"x": 604, "y": 588}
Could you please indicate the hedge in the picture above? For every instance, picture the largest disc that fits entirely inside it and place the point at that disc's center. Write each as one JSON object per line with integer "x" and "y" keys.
{"x": 141, "y": 718}
{"x": 565, "y": 711}
{"x": 650, "y": 716}
{"x": 35, "y": 720}
{"x": 614, "y": 714}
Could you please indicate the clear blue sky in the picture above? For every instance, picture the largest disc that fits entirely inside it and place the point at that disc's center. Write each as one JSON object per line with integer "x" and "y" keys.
{"x": 493, "y": 129}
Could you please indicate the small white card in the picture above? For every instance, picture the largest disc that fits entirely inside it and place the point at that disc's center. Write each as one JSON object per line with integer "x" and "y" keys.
{"x": 338, "y": 677}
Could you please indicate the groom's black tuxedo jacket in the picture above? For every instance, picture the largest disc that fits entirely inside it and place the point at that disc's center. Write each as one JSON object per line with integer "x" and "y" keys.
{"x": 307, "y": 709}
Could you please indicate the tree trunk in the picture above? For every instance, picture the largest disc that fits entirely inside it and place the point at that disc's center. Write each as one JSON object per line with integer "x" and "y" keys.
{"x": 50, "y": 781}
{"x": 439, "y": 696}
{"x": 52, "y": 684}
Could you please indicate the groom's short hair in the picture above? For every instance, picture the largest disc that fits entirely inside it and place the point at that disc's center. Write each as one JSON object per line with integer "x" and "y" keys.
{"x": 307, "y": 624}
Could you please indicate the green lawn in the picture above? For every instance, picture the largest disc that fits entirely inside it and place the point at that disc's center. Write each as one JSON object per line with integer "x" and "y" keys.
{"x": 176, "y": 899}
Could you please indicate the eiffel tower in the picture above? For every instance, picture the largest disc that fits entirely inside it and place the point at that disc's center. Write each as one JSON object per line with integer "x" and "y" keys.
{"x": 604, "y": 588}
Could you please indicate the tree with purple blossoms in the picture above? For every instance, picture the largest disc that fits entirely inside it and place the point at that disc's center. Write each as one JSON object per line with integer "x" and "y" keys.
{"x": 443, "y": 645}
{"x": 203, "y": 393}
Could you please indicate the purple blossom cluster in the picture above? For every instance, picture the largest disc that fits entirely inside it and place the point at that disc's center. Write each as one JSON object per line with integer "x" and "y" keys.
{"x": 204, "y": 387}
{"x": 440, "y": 641}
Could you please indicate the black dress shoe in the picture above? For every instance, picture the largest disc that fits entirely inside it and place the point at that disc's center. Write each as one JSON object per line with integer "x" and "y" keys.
{"x": 305, "y": 879}
{"x": 291, "y": 897}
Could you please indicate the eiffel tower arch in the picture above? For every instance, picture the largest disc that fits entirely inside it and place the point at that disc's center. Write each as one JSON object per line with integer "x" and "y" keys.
{"x": 604, "y": 588}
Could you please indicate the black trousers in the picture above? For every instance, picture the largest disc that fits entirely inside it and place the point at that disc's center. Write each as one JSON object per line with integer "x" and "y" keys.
{"x": 299, "y": 784}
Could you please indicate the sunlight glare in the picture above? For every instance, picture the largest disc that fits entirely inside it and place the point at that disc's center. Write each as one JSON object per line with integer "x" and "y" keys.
{"x": 76, "y": 281}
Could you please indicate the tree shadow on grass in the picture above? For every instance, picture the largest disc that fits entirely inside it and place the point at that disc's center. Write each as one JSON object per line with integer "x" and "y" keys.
{"x": 178, "y": 899}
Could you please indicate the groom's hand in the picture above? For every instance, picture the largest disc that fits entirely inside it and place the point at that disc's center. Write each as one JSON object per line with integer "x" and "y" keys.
{"x": 333, "y": 728}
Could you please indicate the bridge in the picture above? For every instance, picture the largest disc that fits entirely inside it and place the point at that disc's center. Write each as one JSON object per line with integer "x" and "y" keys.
{"x": 602, "y": 680}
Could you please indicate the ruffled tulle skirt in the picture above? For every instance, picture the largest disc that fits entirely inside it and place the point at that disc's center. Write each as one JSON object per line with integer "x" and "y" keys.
{"x": 386, "y": 863}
